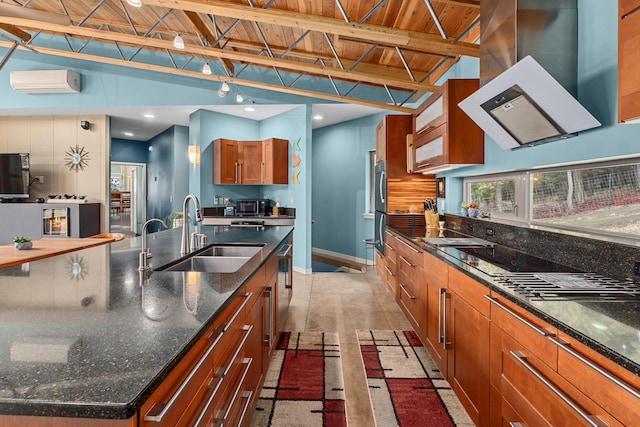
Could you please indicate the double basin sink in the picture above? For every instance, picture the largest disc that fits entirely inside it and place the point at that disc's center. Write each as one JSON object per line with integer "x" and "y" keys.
{"x": 223, "y": 258}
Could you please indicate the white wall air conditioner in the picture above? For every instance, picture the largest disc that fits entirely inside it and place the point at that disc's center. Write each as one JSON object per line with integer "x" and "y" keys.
{"x": 45, "y": 81}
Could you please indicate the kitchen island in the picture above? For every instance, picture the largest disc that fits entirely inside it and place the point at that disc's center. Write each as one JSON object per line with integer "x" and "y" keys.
{"x": 86, "y": 335}
{"x": 514, "y": 355}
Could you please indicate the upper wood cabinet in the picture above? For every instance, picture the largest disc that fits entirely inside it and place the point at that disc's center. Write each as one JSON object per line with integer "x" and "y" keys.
{"x": 251, "y": 162}
{"x": 444, "y": 137}
{"x": 628, "y": 60}
{"x": 391, "y": 140}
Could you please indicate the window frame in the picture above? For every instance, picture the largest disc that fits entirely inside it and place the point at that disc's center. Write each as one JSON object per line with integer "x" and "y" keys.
{"x": 524, "y": 195}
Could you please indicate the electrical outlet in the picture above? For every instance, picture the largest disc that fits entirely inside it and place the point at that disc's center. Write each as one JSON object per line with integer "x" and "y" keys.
{"x": 636, "y": 268}
{"x": 470, "y": 227}
{"x": 489, "y": 231}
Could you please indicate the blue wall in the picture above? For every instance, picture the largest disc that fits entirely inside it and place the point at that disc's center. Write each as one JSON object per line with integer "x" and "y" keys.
{"x": 124, "y": 150}
{"x": 340, "y": 185}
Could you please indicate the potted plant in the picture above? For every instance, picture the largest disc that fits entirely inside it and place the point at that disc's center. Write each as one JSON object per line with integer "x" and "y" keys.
{"x": 464, "y": 209}
{"x": 174, "y": 220}
{"x": 474, "y": 209}
{"x": 21, "y": 243}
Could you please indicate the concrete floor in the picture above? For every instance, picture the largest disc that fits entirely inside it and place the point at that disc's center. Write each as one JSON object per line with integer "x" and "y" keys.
{"x": 344, "y": 302}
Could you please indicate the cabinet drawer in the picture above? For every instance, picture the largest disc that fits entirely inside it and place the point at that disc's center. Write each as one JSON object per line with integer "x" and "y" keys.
{"x": 614, "y": 388}
{"x": 408, "y": 253}
{"x": 436, "y": 271}
{"x": 411, "y": 296}
{"x": 525, "y": 328}
{"x": 471, "y": 291}
{"x": 429, "y": 148}
{"x": 424, "y": 120}
{"x": 539, "y": 394}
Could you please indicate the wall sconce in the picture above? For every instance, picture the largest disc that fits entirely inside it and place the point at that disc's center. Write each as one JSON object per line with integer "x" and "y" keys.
{"x": 194, "y": 155}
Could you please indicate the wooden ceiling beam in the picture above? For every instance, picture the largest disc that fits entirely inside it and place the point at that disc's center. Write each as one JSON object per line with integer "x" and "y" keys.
{"x": 466, "y": 3}
{"x": 16, "y": 32}
{"x": 420, "y": 42}
{"x": 296, "y": 66}
{"x": 208, "y": 34}
{"x": 232, "y": 80}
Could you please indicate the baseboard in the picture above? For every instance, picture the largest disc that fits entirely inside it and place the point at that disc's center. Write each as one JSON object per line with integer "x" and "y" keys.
{"x": 338, "y": 259}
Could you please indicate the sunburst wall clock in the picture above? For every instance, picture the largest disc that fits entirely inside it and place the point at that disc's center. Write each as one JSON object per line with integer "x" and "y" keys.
{"x": 76, "y": 159}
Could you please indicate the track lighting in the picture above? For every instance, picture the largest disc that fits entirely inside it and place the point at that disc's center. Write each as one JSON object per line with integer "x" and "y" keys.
{"x": 224, "y": 87}
{"x": 206, "y": 69}
{"x": 178, "y": 42}
{"x": 135, "y": 3}
{"x": 239, "y": 98}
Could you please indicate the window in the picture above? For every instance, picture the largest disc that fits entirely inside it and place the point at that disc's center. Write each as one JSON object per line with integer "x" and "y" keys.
{"x": 600, "y": 198}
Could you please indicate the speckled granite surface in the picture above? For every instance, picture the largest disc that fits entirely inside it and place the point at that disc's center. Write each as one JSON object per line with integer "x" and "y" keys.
{"x": 85, "y": 334}
{"x": 612, "y": 328}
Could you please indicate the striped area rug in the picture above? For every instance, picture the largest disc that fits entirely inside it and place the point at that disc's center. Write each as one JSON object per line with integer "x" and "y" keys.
{"x": 304, "y": 386}
{"x": 405, "y": 386}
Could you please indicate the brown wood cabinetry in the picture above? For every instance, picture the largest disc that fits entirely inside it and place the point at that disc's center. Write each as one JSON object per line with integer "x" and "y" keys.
{"x": 275, "y": 159}
{"x": 403, "y": 188}
{"x": 628, "y": 60}
{"x": 411, "y": 291}
{"x": 436, "y": 339}
{"x": 468, "y": 354}
{"x": 251, "y": 162}
{"x": 390, "y": 268}
{"x": 444, "y": 136}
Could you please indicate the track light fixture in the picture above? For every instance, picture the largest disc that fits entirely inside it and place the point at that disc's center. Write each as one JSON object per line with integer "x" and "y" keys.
{"x": 239, "y": 98}
{"x": 206, "y": 69}
{"x": 135, "y": 3}
{"x": 224, "y": 87}
{"x": 178, "y": 42}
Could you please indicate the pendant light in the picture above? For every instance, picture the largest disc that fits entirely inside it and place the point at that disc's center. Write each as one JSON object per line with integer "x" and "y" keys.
{"x": 206, "y": 69}
{"x": 224, "y": 87}
{"x": 239, "y": 98}
{"x": 178, "y": 42}
{"x": 135, "y": 3}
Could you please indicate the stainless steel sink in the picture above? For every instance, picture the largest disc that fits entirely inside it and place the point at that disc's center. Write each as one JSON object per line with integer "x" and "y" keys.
{"x": 231, "y": 251}
{"x": 216, "y": 259}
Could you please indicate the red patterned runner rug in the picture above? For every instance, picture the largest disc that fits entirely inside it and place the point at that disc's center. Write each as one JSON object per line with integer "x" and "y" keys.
{"x": 405, "y": 386}
{"x": 304, "y": 385}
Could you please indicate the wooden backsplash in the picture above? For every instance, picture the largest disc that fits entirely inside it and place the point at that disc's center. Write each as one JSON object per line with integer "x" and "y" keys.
{"x": 404, "y": 193}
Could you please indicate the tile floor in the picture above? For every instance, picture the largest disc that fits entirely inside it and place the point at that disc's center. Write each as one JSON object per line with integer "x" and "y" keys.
{"x": 344, "y": 302}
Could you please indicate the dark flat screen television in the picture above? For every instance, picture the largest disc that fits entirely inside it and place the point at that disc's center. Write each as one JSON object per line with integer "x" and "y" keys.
{"x": 14, "y": 176}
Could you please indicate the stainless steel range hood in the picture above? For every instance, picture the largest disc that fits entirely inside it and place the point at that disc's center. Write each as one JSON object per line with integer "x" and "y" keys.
{"x": 528, "y": 73}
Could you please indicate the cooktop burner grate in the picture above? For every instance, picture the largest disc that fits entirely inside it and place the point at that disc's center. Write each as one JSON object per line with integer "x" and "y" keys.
{"x": 555, "y": 286}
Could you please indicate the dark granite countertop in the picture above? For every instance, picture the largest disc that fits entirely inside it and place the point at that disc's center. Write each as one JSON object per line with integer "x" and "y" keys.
{"x": 611, "y": 328}
{"x": 85, "y": 334}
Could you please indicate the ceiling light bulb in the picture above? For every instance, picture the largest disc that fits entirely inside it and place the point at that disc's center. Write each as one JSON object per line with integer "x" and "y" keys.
{"x": 222, "y": 93}
{"x": 135, "y": 3}
{"x": 149, "y": 116}
{"x": 178, "y": 42}
{"x": 249, "y": 109}
{"x": 317, "y": 117}
{"x": 224, "y": 87}
{"x": 206, "y": 69}
{"x": 239, "y": 98}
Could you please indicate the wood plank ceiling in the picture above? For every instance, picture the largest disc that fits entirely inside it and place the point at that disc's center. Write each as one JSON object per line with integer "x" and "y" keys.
{"x": 325, "y": 49}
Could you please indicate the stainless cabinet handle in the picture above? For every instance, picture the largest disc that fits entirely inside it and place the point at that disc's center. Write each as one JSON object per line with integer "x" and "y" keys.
{"x": 403, "y": 286}
{"x": 541, "y": 331}
{"x": 407, "y": 262}
{"x": 409, "y": 246}
{"x": 245, "y": 395}
{"x": 159, "y": 410}
{"x": 224, "y": 372}
{"x": 240, "y": 173}
{"x": 442, "y": 319}
{"x": 247, "y": 296}
{"x": 383, "y": 182}
{"x": 631, "y": 12}
{"x": 592, "y": 420}
{"x": 237, "y": 174}
{"x": 246, "y": 361}
{"x": 269, "y": 293}
{"x": 515, "y": 424}
{"x": 620, "y": 383}
{"x": 389, "y": 271}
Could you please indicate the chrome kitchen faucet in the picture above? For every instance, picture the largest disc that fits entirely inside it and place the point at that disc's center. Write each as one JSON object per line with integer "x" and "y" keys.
{"x": 185, "y": 247}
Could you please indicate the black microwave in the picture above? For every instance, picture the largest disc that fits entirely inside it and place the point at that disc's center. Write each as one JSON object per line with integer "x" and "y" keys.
{"x": 251, "y": 207}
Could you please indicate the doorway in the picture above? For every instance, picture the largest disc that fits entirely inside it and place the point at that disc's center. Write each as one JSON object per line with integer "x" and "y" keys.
{"x": 128, "y": 186}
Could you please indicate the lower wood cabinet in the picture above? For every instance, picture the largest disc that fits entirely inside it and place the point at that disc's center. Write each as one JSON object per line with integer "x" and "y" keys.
{"x": 437, "y": 338}
{"x": 412, "y": 295}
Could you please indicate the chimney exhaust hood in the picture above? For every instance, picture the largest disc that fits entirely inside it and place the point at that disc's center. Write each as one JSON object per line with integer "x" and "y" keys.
{"x": 520, "y": 103}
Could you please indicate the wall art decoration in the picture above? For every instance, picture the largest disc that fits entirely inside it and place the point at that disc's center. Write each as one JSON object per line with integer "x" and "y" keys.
{"x": 296, "y": 161}
{"x": 296, "y": 177}
{"x": 76, "y": 159}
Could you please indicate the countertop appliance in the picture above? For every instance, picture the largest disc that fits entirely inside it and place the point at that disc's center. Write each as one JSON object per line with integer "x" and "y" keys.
{"x": 522, "y": 100}
{"x": 251, "y": 207}
{"x": 380, "y": 191}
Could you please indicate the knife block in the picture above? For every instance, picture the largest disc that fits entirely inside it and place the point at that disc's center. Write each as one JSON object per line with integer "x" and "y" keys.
{"x": 432, "y": 219}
